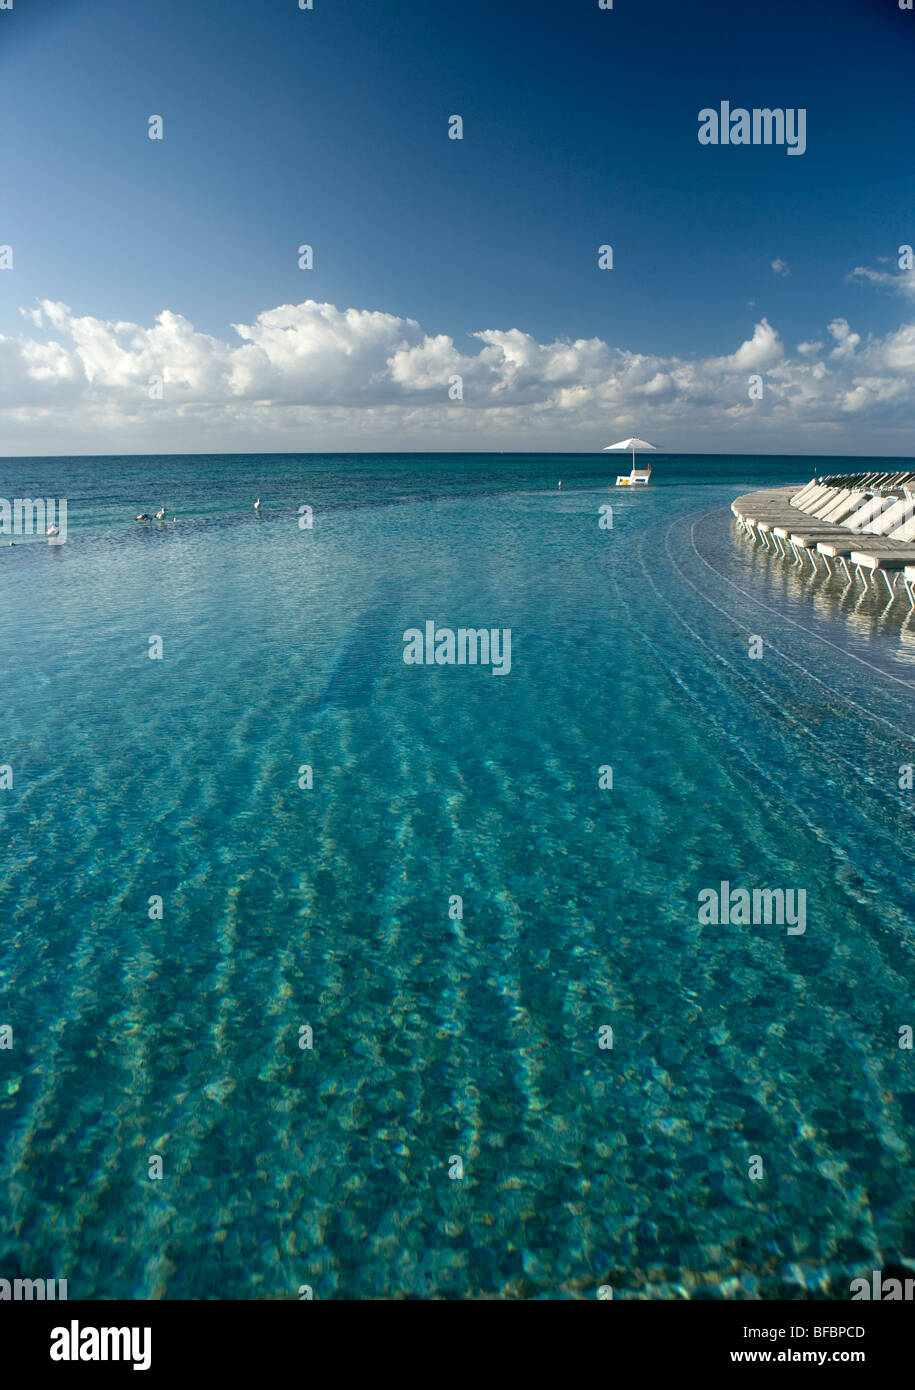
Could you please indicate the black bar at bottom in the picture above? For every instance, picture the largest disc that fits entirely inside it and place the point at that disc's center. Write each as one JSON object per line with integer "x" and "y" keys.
{"x": 236, "y": 1339}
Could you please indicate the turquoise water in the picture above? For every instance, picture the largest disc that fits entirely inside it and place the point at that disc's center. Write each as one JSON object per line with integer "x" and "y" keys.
{"x": 436, "y": 1038}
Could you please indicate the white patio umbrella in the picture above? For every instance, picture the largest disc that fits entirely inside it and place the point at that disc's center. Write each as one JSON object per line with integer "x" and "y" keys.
{"x": 632, "y": 444}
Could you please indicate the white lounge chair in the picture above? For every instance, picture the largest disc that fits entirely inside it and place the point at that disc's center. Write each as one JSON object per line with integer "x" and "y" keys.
{"x": 868, "y": 512}
{"x": 840, "y": 508}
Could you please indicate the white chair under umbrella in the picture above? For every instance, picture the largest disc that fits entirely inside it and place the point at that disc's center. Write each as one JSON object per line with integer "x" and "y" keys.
{"x": 638, "y": 475}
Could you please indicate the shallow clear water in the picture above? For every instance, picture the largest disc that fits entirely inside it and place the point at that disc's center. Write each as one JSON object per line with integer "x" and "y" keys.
{"x": 329, "y": 907}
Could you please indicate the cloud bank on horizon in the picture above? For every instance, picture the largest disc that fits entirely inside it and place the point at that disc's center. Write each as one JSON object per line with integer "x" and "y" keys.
{"x": 312, "y": 376}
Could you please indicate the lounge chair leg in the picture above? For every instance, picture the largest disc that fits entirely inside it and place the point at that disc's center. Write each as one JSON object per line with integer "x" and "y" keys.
{"x": 909, "y": 586}
{"x": 888, "y": 584}
{"x": 845, "y": 568}
{"x": 826, "y": 563}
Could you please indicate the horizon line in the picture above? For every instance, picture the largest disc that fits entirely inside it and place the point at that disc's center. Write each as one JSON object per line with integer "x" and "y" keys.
{"x": 598, "y": 451}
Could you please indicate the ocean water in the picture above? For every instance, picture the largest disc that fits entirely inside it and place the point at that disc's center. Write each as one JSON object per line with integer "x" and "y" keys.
{"x": 438, "y": 1039}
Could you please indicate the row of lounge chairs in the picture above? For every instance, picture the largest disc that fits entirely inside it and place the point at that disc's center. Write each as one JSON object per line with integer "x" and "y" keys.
{"x": 865, "y": 520}
{"x": 869, "y": 480}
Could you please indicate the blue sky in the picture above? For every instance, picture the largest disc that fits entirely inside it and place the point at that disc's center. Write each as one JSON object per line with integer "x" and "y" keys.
{"x": 330, "y": 127}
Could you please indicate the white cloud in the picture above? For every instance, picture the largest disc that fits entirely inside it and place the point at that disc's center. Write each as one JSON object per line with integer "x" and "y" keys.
{"x": 313, "y": 376}
{"x": 759, "y": 352}
{"x": 896, "y": 353}
{"x": 845, "y": 339}
{"x": 903, "y": 283}
{"x": 781, "y": 267}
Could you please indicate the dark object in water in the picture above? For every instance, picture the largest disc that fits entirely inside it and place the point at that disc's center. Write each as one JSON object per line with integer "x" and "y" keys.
{"x": 370, "y": 646}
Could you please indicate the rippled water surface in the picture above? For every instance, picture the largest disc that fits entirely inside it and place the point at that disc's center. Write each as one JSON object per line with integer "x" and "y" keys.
{"x": 436, "y": 1038}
